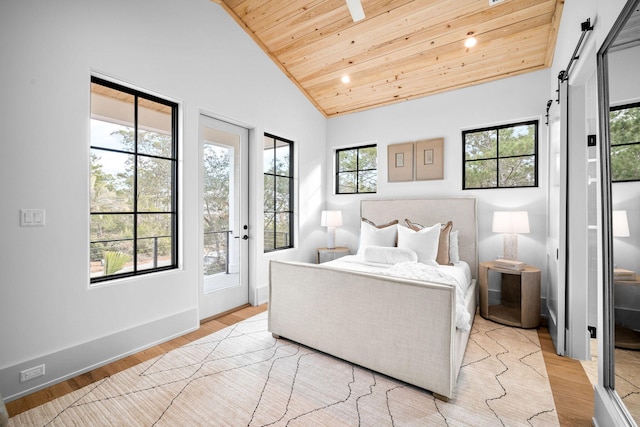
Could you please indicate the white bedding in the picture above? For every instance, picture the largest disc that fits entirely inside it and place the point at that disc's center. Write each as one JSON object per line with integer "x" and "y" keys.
{"x": 458, "y": 275}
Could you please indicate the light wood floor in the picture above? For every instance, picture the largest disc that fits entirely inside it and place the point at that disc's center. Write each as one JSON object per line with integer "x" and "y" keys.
{"x": 572, "y": 392}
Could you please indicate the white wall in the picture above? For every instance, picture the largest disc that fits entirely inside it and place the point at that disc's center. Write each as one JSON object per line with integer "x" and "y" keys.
{"x": 188, "y": 51}
{"x": 446, "y": 115}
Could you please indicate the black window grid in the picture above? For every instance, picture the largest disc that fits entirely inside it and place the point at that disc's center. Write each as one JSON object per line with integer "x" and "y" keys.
{"x": 289, "y": 212}
{"x": 357, "y": 170}
{"x": 497, "y": 158}
{"x": 135, "y": 212}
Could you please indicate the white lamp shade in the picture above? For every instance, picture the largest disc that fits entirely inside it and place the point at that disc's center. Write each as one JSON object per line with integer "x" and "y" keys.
{"x": 331, "y": 219}
{"x": 620, "y": 224}
{"x": 514, "y": 222}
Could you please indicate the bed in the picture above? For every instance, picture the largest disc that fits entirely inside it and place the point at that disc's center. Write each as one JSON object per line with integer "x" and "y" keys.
{"x": 403, "y": 327}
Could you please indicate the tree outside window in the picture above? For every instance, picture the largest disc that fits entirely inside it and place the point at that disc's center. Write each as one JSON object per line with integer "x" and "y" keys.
{"x": 357, "y": 170}
{"x": 624, "y": 128}
{"x": 501, "y": 157}
{"x": 216, "y": 163}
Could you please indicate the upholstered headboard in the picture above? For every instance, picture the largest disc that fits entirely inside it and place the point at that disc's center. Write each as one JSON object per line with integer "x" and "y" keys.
{"x": 462, "y": 211}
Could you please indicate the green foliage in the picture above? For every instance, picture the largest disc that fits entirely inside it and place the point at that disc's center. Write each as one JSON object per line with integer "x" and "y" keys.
{"x": 216, "y": 188}
{"x": 114, "y": 261}
{"x": 481, "y": 174}
{"x": 481, "y": 145}
{"x": 625, "y": 144}
{"x": 217, "y": 171}
{"x": 112, "y": 193}
{"x": 517, "y": 141}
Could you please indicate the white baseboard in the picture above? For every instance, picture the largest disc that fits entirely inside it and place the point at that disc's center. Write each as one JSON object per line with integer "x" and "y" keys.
{"x": 70, "y": 362}
{"x": 262, "y": 295}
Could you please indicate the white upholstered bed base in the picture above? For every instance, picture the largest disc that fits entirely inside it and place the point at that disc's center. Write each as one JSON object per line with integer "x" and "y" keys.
{"x": 399, "y": 327}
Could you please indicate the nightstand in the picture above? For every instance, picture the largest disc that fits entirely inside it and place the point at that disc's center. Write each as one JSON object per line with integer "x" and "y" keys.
{"x": 626, "y": 337}
{"x": 326, "y": 254}
{"x": 519, "y": 297}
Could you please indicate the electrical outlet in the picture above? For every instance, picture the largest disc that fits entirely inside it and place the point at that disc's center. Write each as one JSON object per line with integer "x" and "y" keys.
{"x": 32, "y": 217}
{"x": 31, "y": 373}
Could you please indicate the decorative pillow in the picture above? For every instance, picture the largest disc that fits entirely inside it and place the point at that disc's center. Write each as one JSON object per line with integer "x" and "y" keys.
{"x": 444, "y": 249}
{"x": 423, "y": 242}
{"x": 386, "y": 255}
{"x": 453, "y": 247}
{"x": 394, "y": 222}
{"x": 371, "y": 235}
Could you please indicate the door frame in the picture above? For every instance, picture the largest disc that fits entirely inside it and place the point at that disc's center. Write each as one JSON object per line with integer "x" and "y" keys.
{"x": 225, "y": 125}
{"x": 583, "y": 102}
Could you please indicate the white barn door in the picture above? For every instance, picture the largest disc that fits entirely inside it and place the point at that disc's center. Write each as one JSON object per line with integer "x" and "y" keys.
{"x": 557, "y": 220}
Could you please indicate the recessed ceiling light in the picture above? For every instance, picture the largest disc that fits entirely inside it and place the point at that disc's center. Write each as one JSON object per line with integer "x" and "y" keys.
{"x": 470, "y": 42}
{"x": 345, "y": 79}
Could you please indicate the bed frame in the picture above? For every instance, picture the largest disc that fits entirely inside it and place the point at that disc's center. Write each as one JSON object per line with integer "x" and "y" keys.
{"x": 399, "y": 327}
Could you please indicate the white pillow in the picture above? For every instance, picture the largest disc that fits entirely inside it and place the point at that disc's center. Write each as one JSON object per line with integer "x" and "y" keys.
{"x": 371, "y": 235}
{"x": 386, "y": 255}
{"x": 454, "y": 255}
{"x": 423, "y": 242}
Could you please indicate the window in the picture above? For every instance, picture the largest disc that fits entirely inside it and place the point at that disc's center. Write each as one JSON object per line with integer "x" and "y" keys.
{"x": 624, "y": 122}
{"x": 501, "y": 156}
{"x": 133, "y": 182}
{"x": 357, "y": 170}
{"x": 278, "y": 193}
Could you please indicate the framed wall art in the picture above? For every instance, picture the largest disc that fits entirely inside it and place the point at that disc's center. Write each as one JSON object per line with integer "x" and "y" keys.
{"x": 430, "y": 159}
{"x": 400, "y": 162}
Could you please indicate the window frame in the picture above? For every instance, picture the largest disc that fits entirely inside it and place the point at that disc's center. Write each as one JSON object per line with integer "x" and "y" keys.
{"x": 173, "y": 158}
{"x": 291, "y": 179}
{"x": 625, "y": 106}
{"x": 357, "y": 170}
{"x": 497, "y": 158}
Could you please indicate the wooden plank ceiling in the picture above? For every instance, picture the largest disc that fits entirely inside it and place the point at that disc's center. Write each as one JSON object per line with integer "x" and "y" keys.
{"x": 402, "y": 49}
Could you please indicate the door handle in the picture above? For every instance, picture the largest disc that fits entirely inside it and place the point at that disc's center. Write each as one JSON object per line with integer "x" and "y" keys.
{"x": 244, "y": 236}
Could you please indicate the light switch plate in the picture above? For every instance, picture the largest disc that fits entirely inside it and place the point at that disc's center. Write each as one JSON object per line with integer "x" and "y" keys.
{"x": 32, "y": 218}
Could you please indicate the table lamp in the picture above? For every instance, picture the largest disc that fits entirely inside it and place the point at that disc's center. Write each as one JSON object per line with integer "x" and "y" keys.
{"x": 511, "y": 224}
{"x": 331, "y": 220}
{"x": 620, "y": 224}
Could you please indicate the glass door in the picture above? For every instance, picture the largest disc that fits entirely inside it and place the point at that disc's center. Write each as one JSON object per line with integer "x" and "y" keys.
{"x": 225, "y": 228}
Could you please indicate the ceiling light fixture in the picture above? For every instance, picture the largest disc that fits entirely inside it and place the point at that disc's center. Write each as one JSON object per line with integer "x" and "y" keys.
{"x": 470, "y": 42}
{"x": 355, "y": 8}
{"x": 345, "y": 79}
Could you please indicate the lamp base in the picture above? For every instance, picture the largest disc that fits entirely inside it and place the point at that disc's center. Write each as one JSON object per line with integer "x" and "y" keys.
{"x": 331, "y": 237}
{"x": 510, "y": 246}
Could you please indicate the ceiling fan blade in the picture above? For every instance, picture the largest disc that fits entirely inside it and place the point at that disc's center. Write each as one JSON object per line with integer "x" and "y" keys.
{"x": 355, "y": 8}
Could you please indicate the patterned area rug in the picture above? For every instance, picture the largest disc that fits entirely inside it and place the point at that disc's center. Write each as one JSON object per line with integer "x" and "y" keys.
{"x": 241, "y": 376}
